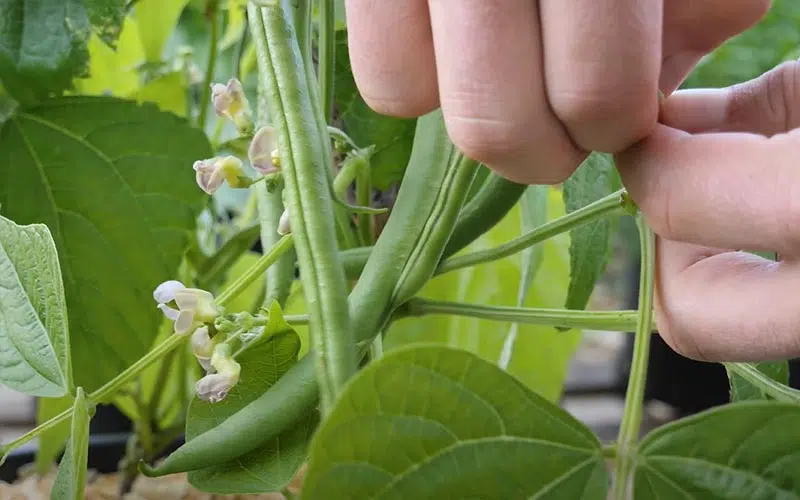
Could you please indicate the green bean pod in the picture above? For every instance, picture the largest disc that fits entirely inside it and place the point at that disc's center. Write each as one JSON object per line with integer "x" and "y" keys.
{"x": 406, "y": 254}
{"x": 496, "y": 197}
{"x": 308, "y": 191}
{"x": 291, "y": 398}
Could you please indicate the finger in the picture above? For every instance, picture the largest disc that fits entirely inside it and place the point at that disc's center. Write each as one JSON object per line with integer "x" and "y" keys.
{"x": 488, "y": 59}
{"x": 694, "y": 28}
{"x": 727, "y": 190}
{"x": 731, "y": 306}
{"x": 391, "y": 54}
{"x": 602, "y": 83}
{"x": 766, "y": 105}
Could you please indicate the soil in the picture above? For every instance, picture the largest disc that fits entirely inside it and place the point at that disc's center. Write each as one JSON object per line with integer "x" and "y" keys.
{"x": 104, "y": 487}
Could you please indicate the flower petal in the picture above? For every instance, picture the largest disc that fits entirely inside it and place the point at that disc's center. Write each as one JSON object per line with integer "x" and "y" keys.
{"x": 165, "y": 292}
{"x": 184, "y": 322}
{"x": 170, "y": 313}
{"x": 214, "y": 388}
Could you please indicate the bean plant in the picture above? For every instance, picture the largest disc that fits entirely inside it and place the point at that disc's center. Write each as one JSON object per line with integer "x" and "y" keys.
{"x": 210, "y": 241}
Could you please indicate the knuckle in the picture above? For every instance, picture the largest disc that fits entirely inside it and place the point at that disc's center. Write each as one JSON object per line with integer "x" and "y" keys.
{"x": 770, "y": 101}
{"x": 607, "y": 120}
{"x": 484, "y": 139}
{"x": 676, "y": 334}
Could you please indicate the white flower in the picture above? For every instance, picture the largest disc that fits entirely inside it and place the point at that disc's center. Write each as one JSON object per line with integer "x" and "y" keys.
{"x": 283, "y": 224}
{"x": 195, "y": 306}
{"x": 211, "y": 173}
{"x": 203, "y": 347}
{"x": 216, "y": 386}
{"x": 230, "y": 101}
{"x": 263, "y": 151}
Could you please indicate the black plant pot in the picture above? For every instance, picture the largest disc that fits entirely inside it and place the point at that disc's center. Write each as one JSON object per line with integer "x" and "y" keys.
{"x": 109, "y": 432}
{"x": 687, "y": 385}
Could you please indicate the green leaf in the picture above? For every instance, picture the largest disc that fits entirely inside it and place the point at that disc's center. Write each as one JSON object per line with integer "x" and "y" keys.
{"x": 391, "y": 136}
{"x": 435, "y": 422}
{"x": 114, "y": 70}
{"x": 541, "y": 355}
{"x": 742, "y": 390}
{"x": 156, "y": 20}
{"x": 589, "y": 250}
{"x": 51, "y": 442}
{"x": 43, "y": 43}
{"x": 34, "y": 336}
{"x": 273, "y": 465}
{"x": 113, "y": 181}
{"x": 167, "y": 91}
{"x": 71, "y": 478}
{"x": 533, "y": 212}
{"x": 745, "y": 450}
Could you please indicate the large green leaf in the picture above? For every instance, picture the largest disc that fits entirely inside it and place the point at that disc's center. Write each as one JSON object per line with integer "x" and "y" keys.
{"x": 589, "y": 250}
{"x": 742, "y": 390}
{"x": 391, "y": 136}
{"x": 541, "y": 355}
{"x": 746, "y": 450}
{"x": 43, "y": 42}
{"x": 156, "y": 20}
{"x": 273, "y": 465}
{"x": 533, "y": 213}
{"x": 113, "y": 181}
{"x": 34, "y": 337}
{"x": 436, "y": 422}
{"x": 71, "y": 478}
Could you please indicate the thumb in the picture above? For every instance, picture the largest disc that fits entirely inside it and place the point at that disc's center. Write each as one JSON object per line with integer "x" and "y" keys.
{"x": 765, "y": 105}
{"x": 693, "y": 28}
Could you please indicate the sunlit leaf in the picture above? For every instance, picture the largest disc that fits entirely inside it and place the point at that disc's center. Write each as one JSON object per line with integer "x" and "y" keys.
{"x": 34, "y": 336}
{"x": 436, "y": 422}
{"x": 541, "y": 354}
{"x": 52, "y": 441}
{"x": 114, "y": 71}
{"x": 157, "y": 19}
{"x": 167, "y": 91}
{"x": 43, "y": 42}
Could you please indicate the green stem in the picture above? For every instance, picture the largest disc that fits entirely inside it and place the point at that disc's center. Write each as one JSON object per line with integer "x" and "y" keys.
{"x": 769, "y": 386}
{"x": 304, "y": 147}
{"x": 327, "y": 55}
{"x": 212, "y": 10}
{"x": 634, "y": 398}
{"x": 612, "y": 321}
{"x": 257, "y": 270}
{"x": 610, "y": 204}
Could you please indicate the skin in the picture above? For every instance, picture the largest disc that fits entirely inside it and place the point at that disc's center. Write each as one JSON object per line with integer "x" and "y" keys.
{"x": 528, "y": 88}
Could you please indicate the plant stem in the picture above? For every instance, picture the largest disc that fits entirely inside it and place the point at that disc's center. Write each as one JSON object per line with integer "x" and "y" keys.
{"x": 634, "y": 398}
{"x": 257, "y": 270}
{"x": 327, "y": 55}
{"x": 212, "y": 11}
{"x": 615, "y": 202}
{"x": 613, "y": 321}
{"x": 769, "y": 386}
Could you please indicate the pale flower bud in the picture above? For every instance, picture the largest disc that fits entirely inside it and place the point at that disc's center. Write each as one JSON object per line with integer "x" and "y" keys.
{"x": 215, "y": 387}
{"x": 283, "y": 224}
{"x": 195, "y": 306}
{"x": 230, "y": 101}
{"x": 263, "y": 150}
{"x": 212, "y": 172}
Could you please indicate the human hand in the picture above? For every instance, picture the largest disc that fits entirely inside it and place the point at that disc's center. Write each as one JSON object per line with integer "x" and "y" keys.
{"x": 723, "y": 173}
{"x": 529, "y": 87}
